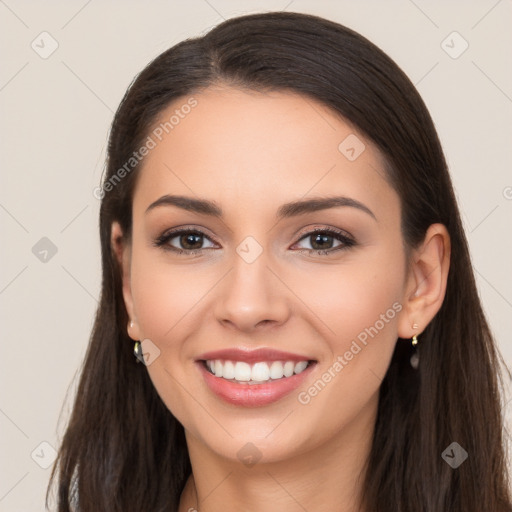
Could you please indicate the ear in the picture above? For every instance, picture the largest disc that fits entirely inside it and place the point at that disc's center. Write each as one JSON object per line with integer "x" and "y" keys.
{"x": 121, "y": 248}
{"x": 426, "y": 281}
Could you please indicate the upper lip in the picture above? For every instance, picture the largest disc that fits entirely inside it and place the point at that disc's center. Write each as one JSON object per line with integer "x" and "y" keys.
{"x": 252, "y": 356}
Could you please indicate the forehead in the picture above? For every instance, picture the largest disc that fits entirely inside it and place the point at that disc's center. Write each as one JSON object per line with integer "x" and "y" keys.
{"x": 251, "y": 149}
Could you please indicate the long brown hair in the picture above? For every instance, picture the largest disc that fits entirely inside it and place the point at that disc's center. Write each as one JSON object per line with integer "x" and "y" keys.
{"x": 124, "y": 450}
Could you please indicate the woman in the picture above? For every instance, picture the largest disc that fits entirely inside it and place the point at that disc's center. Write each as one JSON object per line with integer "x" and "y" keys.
{"x": 281, "y": 240}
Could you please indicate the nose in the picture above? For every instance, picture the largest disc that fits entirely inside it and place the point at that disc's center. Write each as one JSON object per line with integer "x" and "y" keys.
{"x": 252, "y": 297}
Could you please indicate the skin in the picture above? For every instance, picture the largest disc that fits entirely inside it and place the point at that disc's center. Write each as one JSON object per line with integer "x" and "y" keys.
{"x": 250, "y": 153}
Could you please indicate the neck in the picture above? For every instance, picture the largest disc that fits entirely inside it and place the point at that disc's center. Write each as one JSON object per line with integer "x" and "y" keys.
{"x": 324, "y": 478}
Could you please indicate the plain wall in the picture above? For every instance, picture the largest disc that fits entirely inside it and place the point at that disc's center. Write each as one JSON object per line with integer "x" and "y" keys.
{"x": 56, "y": 113}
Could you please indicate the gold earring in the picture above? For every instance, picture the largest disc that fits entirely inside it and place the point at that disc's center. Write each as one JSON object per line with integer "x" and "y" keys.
{"x": 137, "y": 351}
{"x": 415, "y": 358}
{"x": 415, "y": 337}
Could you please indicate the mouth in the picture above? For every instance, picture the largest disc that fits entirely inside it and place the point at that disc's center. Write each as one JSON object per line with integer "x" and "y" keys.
{"x": 254, "y": 378}
{"x": 241, "y": 372}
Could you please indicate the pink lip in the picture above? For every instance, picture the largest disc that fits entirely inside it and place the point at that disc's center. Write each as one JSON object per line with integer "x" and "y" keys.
{"x": 253, "y": 395}
{"x": 252, "y": 356}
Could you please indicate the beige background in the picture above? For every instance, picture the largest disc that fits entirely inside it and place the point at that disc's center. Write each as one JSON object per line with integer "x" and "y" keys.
{"x": 56, "y": 113}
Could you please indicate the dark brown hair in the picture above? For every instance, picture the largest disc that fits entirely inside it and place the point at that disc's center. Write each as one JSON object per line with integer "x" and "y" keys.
{"x": 123, "y": 449}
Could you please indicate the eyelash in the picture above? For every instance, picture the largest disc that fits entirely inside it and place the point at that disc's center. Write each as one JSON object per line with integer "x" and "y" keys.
{"x": 347, "y": 242}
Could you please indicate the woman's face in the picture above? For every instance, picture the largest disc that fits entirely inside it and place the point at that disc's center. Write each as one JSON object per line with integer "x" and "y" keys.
{"x": 258, "y": 277}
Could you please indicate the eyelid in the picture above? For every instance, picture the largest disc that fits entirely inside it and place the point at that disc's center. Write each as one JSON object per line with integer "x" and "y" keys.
{"x": 323, "y": 229}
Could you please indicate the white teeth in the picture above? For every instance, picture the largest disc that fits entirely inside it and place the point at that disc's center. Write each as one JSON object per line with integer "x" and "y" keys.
{"x": 276, "y": 370}
{"x": 289, "y": 366}
{"x": 228, "y": 370}
{"x": 242, "y": 370}
{"x": 300, "y": 367}
{"x": 258, "y": 372}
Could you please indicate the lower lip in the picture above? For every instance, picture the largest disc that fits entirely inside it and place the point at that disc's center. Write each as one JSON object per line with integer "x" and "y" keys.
{"x": 253, "y": 395}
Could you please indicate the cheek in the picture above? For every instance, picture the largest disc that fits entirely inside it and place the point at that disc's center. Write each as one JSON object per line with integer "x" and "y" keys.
{"x": 166, "y": 298}
{"x": 366, "y": 305}
{"x": 164, "y": 294}
{"x": 360, "y": 304}
{"x": 360, "y": 295}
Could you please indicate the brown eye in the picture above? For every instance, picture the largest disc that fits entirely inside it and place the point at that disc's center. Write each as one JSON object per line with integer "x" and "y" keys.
{"x": 183, "y": 241}
{"x": 190, "y": 241}
{"x": 321, "y": 241}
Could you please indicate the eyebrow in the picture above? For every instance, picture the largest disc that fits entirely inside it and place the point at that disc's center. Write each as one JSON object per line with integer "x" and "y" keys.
{"x": 287, "y": 210}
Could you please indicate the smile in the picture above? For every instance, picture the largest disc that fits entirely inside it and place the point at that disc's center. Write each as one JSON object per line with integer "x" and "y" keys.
{"x": 251, "y": 377}
{"x": 262, "y": 371}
